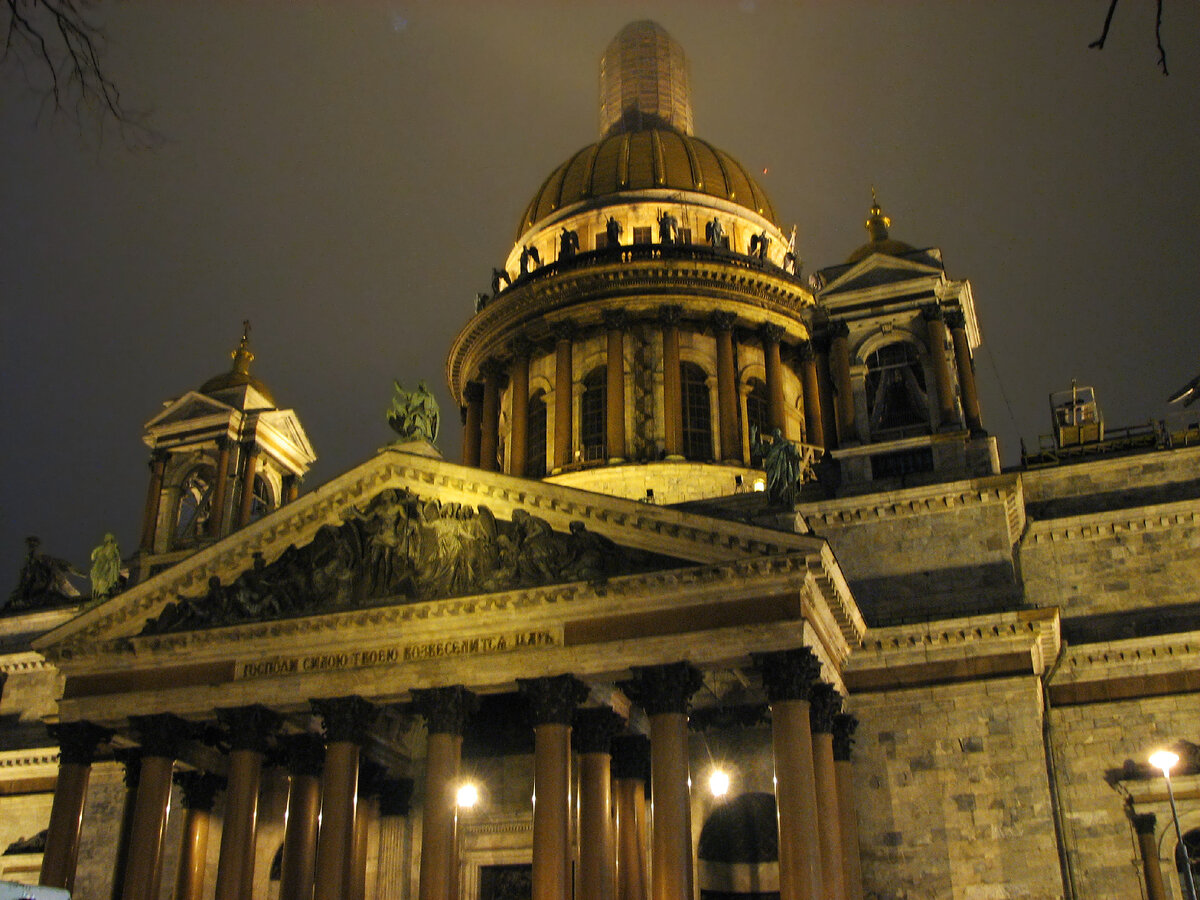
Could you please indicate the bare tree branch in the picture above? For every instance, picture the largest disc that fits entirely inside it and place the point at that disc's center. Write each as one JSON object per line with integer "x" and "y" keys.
{"x": 1098, "y": 44}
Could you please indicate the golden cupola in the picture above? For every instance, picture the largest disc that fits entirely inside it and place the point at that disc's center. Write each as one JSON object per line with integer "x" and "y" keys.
{"x": 648, "y": 318}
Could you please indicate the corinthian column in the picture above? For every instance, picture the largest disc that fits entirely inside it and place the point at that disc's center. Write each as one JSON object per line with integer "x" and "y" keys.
{"x": 631, "y": 769}
{"x": 552, "y": 703}
{"x": 199, "y": 791}
{"x": 158, "y": 467}
{"x": 564, "y": 335}
{"x": 472, "y": 423}
{"x": 727, "y": 397}
{"x": 518, "y": 437}
{"x": 160, "y": 736}
{"x": 843, "y": 739}
{"x": 614, "y": 324}
{"x": 839, "y": 369}
{"x": 789, "y": 677}
{"x": 957, "y": 323}
{"x": 670, "y": 316}
{"x": 446, "y": 711}
{"x": 665, "y": 692}
{"x": 935, "y": 327}
{"x": 249, "y": 728}
{"x": 250, "y": 456}
{"x": 346, "y": 721}
{"x": 591, "y": 737}
{"x": 77, "y": 742}
{"x": 489, "y": 427}
{"x": 771, "y": 334}
{"x": 814, "y": 431}
{"x": 305, "y": 756}
{"x": 825, "y": 705}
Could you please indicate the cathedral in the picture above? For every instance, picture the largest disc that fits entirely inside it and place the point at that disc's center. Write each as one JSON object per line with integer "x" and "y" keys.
{"x": 729, "y": 597}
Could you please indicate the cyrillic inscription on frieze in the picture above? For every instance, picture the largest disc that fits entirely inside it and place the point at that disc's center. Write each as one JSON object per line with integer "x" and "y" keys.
{"x": 386, "y": 656}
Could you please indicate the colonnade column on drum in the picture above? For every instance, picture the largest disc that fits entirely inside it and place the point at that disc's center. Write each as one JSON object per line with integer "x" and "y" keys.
{"x": 250, "y": 453}
{"x": 160, "y": 737}
{"x": 518, "y": 440}
{"x": 957, "y": 323}
{"x": 77, "y": 746}
{"x": 220, "y": 488}
{"x": 552, "y": 702}
{"x": 771, "y": 334}
{"x": 844, "y": 725}
{"x": 824, "y": 706}
{"x": 472, "y": 417}
{"x": 727, "y": 397}
{"x": 304, "y": 756}
{"x": 346, "y": 720}
{"x": 199, "y": 793}
{"x": 615, "y": 322}
{"x": 564, "y": 336}
{"x": 789, "y": 677}
{"x": 158, "y": 469}
{"x": 591, "y": 735}
{"x": 489, "y": 425}
{"x": 839, "y": 370}
{"x": 669, "y": 318}
{"x": 665, "y": 692}
{"x": 814, "y": 430}
{"x": 249, "y": 729}
{"x": 631, "y": 769}
{"x": 446, "y": 711}
{"x": 935, "y": 328}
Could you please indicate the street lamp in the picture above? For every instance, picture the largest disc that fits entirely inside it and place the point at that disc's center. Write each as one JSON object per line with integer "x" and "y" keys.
{"x": 1165, "y": 760}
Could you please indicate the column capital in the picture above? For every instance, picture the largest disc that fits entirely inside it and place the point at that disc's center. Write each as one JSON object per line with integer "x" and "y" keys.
{"x": 371, "y": 777}
{"x": 955, "y": 318}
{"x": 615, "y": 319}
{"x": 395, "y": 796}
{"x": 631, "y": 756}
{"x": 564, "y": 331}
{"x": 473, "y": 392}
{"x": 770, "y": 333}
{"x": 789, "y": 674}
{"x": 491, "y": 368}
{"x": 521, "y": 347}
{"x": 933, "y": 312}
{"x": 199, "y": 789}
{"x": 552, "y": 700}
{"x": 446, "y": 709}
{"x": 805, "y": 351}
{"x": 78, "y": 741}
{"x": 594, "y": 729}
{"x": 664, "y": 689}
{"x": 302, "y": 754}
{"x": 1144, "y": 823}
{"x": 723, "y": 321}
{"x": 844, "y": 726}
{"x": 248, "y": 727}
{"x": 161, "y": 734}
{"x": 130, "y": 759}
{"x": 670, "y": 314}
{"x": 826, "y": 703}
{"x": 838, "y": 329}
{"x": 345, "y": 718}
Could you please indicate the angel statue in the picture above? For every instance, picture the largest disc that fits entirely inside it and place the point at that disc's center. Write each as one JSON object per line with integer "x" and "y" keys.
{"x": 106, "y": 568}
{"x": 414, "y": 414}
{"x": 784, "y": 465}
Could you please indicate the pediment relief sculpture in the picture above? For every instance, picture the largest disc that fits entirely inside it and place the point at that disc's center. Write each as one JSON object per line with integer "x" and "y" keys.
{"x": 400, "y": 548}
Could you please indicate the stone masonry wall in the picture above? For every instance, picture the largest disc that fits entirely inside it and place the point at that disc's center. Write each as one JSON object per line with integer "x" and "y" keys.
{"x": 953, "y": 795}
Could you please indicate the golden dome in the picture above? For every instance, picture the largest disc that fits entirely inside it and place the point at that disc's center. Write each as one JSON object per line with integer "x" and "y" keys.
{"x": 877, "y": 226}
{"x": 239, "y": 376}
{"x": 652, "y": 158}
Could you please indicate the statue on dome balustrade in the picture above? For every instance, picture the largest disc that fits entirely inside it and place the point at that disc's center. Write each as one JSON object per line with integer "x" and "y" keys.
{"x": 668, "y": 228}
{"x": 568, "y": 243}
{"x": 613, "y": 229}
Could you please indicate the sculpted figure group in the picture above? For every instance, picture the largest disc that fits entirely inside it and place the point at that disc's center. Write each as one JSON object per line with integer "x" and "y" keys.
{"x": 400, "y": 548}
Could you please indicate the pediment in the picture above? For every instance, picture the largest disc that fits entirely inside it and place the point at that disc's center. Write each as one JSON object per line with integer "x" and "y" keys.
{"x": 287, "y": 424}
{"x": 437, "y": 493}
{"x": 191, "y": 406}
{"x": 880, "y": 269}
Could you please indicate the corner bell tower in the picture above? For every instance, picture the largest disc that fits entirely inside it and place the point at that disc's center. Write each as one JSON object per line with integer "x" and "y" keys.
{"x": 220, "y": 458}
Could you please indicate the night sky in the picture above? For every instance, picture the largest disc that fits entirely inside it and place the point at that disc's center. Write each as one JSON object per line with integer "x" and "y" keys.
{"x": 346, "y": 175}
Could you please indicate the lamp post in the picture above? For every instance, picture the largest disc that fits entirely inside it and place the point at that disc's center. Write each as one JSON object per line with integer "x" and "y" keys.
{"x": 1165, "y": 759}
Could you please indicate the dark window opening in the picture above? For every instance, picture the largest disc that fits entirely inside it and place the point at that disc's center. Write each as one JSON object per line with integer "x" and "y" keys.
{"x": 643, "y": 235}
{"x": 195, "y": 505}
{"x": 757, "y": 416}
{"x": 901, "y": 463}
{"x": 697, "y": 413}
{"x": 592, "y": 407}
{"x": 535, "y": 437}
{"x": 897, "y": 402}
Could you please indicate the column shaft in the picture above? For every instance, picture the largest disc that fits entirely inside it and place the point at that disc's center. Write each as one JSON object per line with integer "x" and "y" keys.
{"x": 1151, "y": 870}
{"x": 146, "y": 832}
{"x": 776, "y": 411}
{"x": 335, "y": 844}
{"x": 966, "y": 376}
{"x": 518, "y": 437}
{"x": 671, "y": 874}
{"x": 235, "y": 871}
{"x": 596, "y": 855}
{"x": 672, "y": 389}
{"x": 66, "y": 817}
{"x": 631, "y": 838}
{"x": 727, "y": 399}
{"x": 247, "y": 505}
{"x": 839, "y": 369}
{"x": 471, "y": 426}
{"x": 158, "y": 466}
{"x": 936, "y": 329}
{"x": 825, "y": 393}
{"x": 615, "y": 394}
{"x": 489, "y": 426}
{"x": 814, "y": 430}
{"x": 848, "y": 819}
{"x": 216, "y": 518}
{"x": 356, "y": 873}
{"x": 193, "y": 854}
{"x": 795, "y": 794}
{"x": 442, "y": 761}
{"x": 551, "y": 812}
{"x": 563, "y": 402}
{"x": 833, "y": 874}
{"x": 299, "y": 864}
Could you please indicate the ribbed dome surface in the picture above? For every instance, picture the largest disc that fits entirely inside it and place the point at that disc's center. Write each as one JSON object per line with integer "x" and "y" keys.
{"x": 651, "y": 158}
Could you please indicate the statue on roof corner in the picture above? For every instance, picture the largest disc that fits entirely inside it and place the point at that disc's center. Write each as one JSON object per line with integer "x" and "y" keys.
{"x": 414, "y": 415}
{"x": 106, "y": 572}
{"x": 786, "y": 467}
{"x": 44, "y": 580}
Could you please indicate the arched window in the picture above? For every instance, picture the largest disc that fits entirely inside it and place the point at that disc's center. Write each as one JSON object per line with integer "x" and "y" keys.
{"x": 535, "y": 437}
{"x": 263, "y": 501}
{"x": 757, "y": 417}
{"x": 897, "y": 404}
{"x": 697, "y": 414}
{"x": 591, "y": 414}
{"x": 195, "y": 505}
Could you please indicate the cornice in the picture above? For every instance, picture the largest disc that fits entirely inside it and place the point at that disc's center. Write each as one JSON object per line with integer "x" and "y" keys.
{"x": 1105, "y": 525}
{"x": 917, "y": 501}
{"x": 20, "y": 663}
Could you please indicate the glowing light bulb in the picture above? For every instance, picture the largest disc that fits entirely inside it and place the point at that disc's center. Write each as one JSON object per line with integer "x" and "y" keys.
{"x": 468, "y": 796}
{"x": 760, "y": 484}
{"x": 1164, "y": 759}
{"x": 718, "y": 783}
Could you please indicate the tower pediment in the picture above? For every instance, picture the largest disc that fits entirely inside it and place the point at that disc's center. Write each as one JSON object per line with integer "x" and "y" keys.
{"x": 880, "y": 269}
